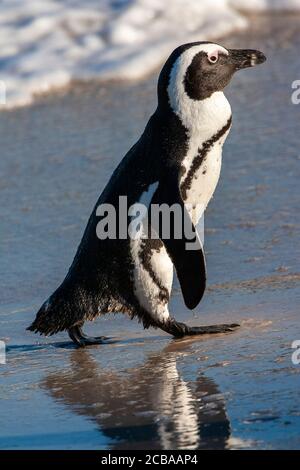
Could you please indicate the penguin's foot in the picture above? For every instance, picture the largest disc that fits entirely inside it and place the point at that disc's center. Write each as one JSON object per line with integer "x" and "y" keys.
{"x": 181, "y": 329}
{"x": 81, "y": 340}
{"x": 212, "y": 329}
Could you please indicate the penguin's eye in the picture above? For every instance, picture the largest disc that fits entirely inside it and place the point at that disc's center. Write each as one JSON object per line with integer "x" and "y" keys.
{"x": 213, "y": 57}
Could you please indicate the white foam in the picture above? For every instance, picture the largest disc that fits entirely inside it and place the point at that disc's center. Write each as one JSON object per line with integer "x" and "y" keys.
{"x": 46, "y": 43}
{"x": 265, "y": 5}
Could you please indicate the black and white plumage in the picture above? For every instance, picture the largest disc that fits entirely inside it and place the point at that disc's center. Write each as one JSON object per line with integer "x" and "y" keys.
{"x": 176, "y": 160}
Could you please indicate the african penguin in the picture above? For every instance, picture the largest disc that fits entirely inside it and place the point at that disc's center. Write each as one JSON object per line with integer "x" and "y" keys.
{"x": 177, "y": 160}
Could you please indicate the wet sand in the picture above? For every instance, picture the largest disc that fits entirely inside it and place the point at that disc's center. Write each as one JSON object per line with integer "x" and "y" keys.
{"x": 143, "y": 389}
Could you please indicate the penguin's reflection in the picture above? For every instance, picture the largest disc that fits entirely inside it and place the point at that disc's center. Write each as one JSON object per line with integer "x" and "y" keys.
{"x": 148, "y": 407}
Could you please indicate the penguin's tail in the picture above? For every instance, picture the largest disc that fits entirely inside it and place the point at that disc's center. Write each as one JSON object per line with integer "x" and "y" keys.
{"x": 60, "y": 312}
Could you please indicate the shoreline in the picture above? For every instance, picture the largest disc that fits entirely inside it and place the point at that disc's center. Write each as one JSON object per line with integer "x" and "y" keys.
{"x": 75, "y": 85}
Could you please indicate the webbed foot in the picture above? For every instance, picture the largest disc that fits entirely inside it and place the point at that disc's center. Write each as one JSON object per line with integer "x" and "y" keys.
{"x": 80, "y": 339}
{"x": 179, "y": 330}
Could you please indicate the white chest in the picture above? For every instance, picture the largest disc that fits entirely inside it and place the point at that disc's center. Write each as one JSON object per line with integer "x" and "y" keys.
{"x": 204, "y": 181}
{"x": 202, "y": 166}
{"x": 208, "y": 124}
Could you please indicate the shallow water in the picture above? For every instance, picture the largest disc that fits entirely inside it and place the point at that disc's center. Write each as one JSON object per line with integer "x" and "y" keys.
{"x": 143, "y": 389}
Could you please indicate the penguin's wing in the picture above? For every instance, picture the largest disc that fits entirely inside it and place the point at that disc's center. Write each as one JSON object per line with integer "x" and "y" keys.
{"x": 187, "y": 255}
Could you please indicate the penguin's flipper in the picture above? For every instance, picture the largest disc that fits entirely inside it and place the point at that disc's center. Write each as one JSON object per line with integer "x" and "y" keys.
{"x": 187, "y": 255}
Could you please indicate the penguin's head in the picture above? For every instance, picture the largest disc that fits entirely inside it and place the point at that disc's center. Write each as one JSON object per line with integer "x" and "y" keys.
{"x": 197, "y": 70}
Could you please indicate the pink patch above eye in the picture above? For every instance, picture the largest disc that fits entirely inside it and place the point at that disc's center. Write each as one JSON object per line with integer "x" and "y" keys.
{"x": 213, "y": 56}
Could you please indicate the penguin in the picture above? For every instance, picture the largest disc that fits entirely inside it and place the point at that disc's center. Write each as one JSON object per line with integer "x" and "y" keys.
{"x": 177, "y": 160}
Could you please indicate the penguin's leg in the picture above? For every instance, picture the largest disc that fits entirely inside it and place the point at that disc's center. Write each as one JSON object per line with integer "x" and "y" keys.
{"x": 154, "y": 284}
{"x": 179, "y": 330}
{"x": 80, "y": 339}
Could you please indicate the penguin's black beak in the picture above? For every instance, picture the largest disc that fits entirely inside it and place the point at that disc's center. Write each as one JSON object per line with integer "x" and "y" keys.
{"x": 243, "y": 58}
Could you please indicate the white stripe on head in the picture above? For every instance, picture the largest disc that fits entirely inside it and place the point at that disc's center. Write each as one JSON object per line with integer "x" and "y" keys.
{"x": 186, "y": 108}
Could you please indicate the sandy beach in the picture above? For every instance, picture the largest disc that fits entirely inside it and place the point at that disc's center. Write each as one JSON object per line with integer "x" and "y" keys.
{"x": 143, "y": 389}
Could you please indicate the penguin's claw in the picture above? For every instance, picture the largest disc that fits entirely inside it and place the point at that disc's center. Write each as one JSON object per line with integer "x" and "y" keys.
{"x": 82, "y": 340}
